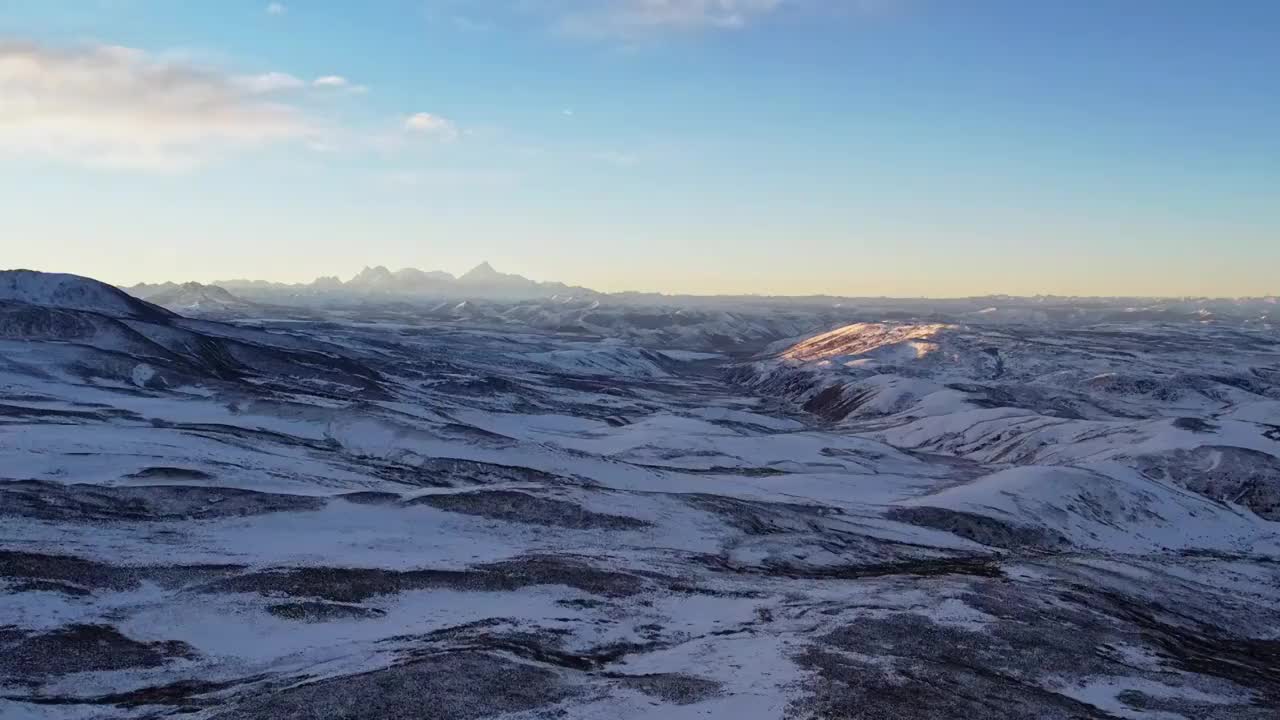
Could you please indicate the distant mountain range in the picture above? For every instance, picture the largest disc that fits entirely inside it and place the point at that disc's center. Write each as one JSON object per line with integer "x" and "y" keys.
{"x": 482, "y": 281}
{"x": 439, "y": 292}
{"x": 486, "y": 297}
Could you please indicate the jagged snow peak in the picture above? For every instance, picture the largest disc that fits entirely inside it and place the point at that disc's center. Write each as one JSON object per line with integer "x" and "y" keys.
{"x": 483, "y": 272}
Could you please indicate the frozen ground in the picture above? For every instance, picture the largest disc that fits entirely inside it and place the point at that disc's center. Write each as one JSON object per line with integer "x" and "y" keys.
{"x": 381, "y": 514}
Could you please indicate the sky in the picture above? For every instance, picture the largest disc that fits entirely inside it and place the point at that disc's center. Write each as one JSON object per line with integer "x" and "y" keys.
{"x": 847, "y": 147}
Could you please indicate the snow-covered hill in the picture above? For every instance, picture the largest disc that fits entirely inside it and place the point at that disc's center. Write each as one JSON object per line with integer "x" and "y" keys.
{"x": 80, "y": 330}
{"x": 73, "y": 292}
{"x": 1191, "y": 405}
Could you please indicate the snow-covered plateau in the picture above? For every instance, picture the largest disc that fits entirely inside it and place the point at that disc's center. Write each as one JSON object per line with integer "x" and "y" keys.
{"x": 217, "y": 504}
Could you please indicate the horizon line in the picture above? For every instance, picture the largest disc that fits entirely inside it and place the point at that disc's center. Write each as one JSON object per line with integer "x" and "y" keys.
{"x": 709, "y": 296}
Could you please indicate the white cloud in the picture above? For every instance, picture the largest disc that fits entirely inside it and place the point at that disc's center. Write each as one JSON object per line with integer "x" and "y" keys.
{"x": 337, "y": 82}
{"x": 121, "y": 107}
{"x": 269, "y": 82}
{"x": 639, "y": 17}
{"x": 428, "y": 124}
{"x": 276, "y": 8}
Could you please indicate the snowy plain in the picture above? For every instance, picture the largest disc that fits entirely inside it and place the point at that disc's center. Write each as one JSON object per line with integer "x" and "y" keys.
{"x": 383, "y": 511}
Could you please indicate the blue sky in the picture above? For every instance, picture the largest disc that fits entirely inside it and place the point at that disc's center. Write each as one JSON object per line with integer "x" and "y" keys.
{"x": 858, "y": 147}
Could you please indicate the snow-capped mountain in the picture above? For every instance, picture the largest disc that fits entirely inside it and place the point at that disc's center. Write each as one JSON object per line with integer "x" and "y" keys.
{"x": 407, "y": 281}
{"x": 406, "y": 284}
{"x": 193, "y": 298}
{"x": 484, "y": 274}
{"x": 374, "y": 278}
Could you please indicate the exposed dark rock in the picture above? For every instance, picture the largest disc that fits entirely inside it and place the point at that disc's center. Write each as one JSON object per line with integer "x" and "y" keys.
{"x": 51, "y": 586}
{"x": 65, "y": 569}
{"x": 446, "y": 686}
{"x": 572, "y": 572}
{"x": 756, "y": 517}
{"x": 1219, "y": 472}
{"x": 370, "y": 497}
{"x": 92, "y": 575}
{"x": 310, "y": 611}
{"x": 522, "y": 507}
{"x": 979, "y": 528}
{"x": 169, "y": 473}
{"x": 185, "y": 694}
{"x": 97, "y": 503}
{"x": 354, "y": 585}
{"x": 980, "y": 566}
{"x": 675, "y": 688}
{"x": 1195, "y": 425}
{"x": 84, "y": 648}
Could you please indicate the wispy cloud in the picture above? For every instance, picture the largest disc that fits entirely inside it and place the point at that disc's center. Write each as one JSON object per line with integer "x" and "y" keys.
{"x": 637, "y": 20}
{"x": 631, "y": 19}
{"x": 276, "y": 8}
{"x": 122, "y": 107}
{"x": 641, "y": 17}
